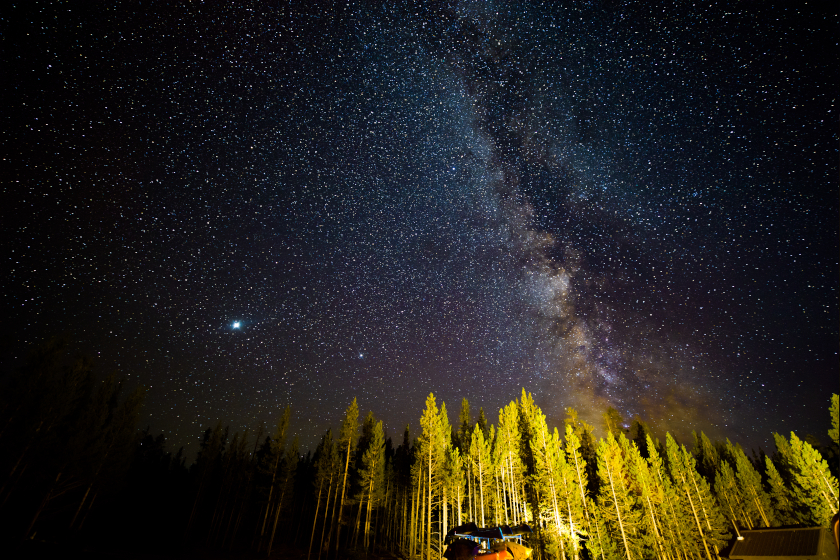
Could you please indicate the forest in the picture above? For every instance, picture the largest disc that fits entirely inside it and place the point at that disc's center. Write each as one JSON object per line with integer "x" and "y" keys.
{"x": 78, "y": 474}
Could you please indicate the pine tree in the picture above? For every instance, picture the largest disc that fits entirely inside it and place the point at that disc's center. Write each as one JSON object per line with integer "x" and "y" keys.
{"x": 731, "y": 497}
{"x": 483, "y": 424}
{"x": 431, "y": 456}
{"x": 834, "y": 412}
{"x": 512, "y": 469}
{"x": 756, "y": 500}
{"x": 674, "y": 522}
{"x": 325, "y": 462}
{"x": 814, "y": 487}
{"x": 346, "y": 443}
{"x": 372, "y": 475}
{"x": 290, "y": 463}
{"x": 464, "y": 427}
{"x": 645, "y": 487}
{"x": 480, "y": 461}
{"x": 711, "y": 527}
{"x": 619, "y": 506}
{"x": 613, "y": 422}
{"x": 578, "y": 466}
{"x": 273, "y": 467}
{"x": 638, "y": 433}
{"x": 601, "y": 544}
{"x": 706, "y": 455}
{"x": 780, "y": 498}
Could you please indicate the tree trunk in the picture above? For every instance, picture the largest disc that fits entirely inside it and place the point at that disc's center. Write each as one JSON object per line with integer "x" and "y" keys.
{"x": 326, "y": 515}
{"x": 697, "y": 520}
{"x": 429, "y": 513}
{"x": 315, "y": 519}
{"x": 617, "y": 509}
{"x": 341, "y": 504}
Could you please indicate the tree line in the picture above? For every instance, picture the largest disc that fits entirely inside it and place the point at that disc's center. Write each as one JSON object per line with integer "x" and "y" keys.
{"x": 75, "y": 466}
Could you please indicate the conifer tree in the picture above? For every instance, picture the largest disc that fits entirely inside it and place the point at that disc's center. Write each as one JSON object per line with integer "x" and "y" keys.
{"x": 464, "y": 427}
{"x": 431, "y": 455}
{"x": 814, "y": 487}
{"x": 638, "y": 433}
{"x": 372, "y": 475}
{"x": 584, "y": 433}
{"x": 601, "y": 544}
{"x": 619, "y": 506}
{"x": 453, "y": 483}
{"x": 483, "y": 424}
{"x": 706, "y": 455}
{"x": 528, "y": 412}
{"x": 834, "y": 412}
{"x": 480, "y": 460}
{"x": 290, "y": 463}
{"x": 613, "y": 422}
{"x": 578, "y": 466}
{"x": 546, "y": 480}
{"x": 780, "y": 498}
{"x": 512, "y": 469}
{"x": 674, "y": 521}
{"x": 752, "y": 491}
{"x": 645, "y": 487}
{"x": 346, "y": 443}
{"x": 325, "y": 463}
{"x": 278, "y": 443}
{"x": 711, "y": 527}
{"x": 731, "y": 497}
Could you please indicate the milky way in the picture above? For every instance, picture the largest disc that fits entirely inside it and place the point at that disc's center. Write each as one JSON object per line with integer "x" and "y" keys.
{"x": 255, "y": 205}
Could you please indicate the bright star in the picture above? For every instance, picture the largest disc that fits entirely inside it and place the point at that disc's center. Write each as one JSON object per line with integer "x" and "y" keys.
{"x": 236, "y": 324}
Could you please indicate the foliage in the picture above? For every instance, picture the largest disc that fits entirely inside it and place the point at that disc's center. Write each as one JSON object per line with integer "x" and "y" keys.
{"x": 70, "y": 441}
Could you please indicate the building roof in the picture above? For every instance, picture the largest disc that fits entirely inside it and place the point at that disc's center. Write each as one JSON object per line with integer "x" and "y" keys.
{"x": 781, "y": 544}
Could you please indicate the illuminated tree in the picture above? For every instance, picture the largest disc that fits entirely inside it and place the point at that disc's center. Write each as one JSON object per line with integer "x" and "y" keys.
{"x": 430, "y": 458}
{"x": 709, "y": 523}
{"x": 326, "y": 463}
{"x": 756, "y": 500}
{"x": 674, "y": 521}
{"x": 780, "y": 498}
{"x": 372, "y": 475}
{"x": 613, "y": 422}
{"x": 619, "y": 507}
{"x": 346, "y": 443}
{"x": 481, "y": 469}
{"x": 814, "y": 488}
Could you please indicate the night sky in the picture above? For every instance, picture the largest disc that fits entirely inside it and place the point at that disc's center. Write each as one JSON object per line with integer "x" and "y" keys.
{"x": 248, "y": 205}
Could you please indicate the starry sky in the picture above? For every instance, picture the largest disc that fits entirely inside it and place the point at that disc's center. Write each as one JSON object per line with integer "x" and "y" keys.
{"x": 248, "y": 205}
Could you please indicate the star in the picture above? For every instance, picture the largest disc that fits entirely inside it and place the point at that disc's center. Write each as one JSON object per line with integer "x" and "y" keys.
{"x": 236, "y": 324}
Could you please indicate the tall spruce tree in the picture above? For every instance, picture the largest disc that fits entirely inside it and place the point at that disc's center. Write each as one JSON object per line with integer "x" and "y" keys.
{"x": 814, "y": 487}
{"x": 711, "y": 526}
{"x": 619, "y": 507}
{"x": 674, "y": 522}
{"x": 464, "y": 427}
{"x": 325, "y": 461}
{"x": 430, "y": 458}
{"x": 783, "y": 508}
{"x": 750, "y": 485}
{"x": 482, "y": 471}
{"x": 372, "y": 475}
{"x": 613, "y": 422}
{"x": 346, "y": 444}
{"x": 512, "y": 469}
